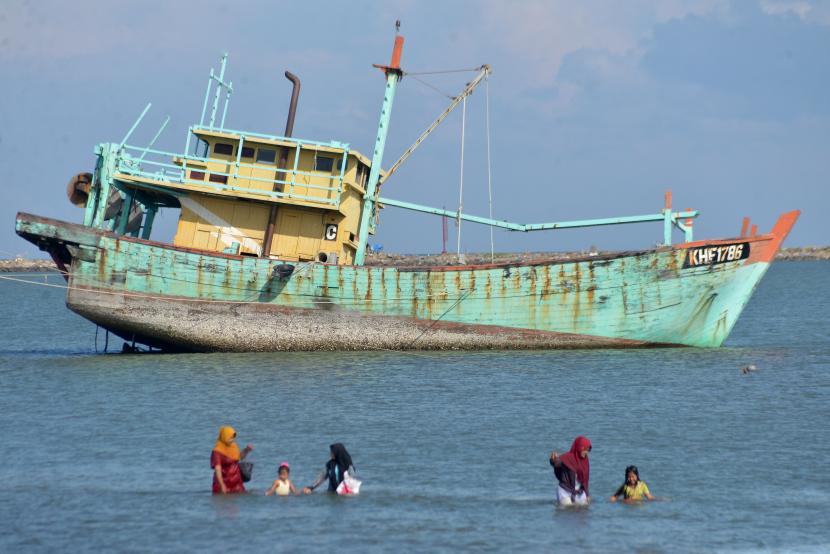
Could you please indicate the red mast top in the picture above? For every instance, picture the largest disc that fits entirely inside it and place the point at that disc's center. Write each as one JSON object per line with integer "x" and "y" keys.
{"x": 395, "y": 64}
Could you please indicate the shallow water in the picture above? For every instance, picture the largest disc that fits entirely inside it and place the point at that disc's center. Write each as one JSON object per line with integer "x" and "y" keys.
{"x": 110, "y": 452}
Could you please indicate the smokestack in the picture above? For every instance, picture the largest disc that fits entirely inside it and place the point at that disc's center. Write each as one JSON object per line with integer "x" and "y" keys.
{"x": 282, "y": 162}
{"x": 292, "y": 107}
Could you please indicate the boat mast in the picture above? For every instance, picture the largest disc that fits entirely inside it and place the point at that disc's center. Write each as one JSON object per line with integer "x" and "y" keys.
{"x": 393, "y": 75}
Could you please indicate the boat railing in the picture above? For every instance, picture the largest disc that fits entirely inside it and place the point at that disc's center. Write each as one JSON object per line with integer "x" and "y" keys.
{"x": 259, "y": 179}
{"x": 277, "y": 138}
{"x": 171, "y": 167}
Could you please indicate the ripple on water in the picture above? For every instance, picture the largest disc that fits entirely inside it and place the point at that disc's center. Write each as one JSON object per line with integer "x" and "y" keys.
{"x": 452, "y": 447}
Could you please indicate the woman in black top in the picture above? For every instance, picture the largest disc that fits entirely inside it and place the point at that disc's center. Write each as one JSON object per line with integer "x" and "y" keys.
{"x": 340, "y": 463}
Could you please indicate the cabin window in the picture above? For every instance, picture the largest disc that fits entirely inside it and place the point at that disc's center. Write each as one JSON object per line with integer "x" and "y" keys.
{"x": 323, "y": 163}
{"x": 222, "y": 148}
{"x": 197, "y": 175}
{"x": 360, "y": 178}
{"x": 247, "y": 152}
{"x": 218, "y": 179}
{"x": 266, "y": 156}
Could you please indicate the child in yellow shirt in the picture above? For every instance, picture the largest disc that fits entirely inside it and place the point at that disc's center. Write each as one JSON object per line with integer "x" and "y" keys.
{"x": 632, "y": 490}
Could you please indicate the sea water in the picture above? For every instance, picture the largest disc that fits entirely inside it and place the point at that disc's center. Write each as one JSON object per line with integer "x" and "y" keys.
{"x": 110, "y": 452}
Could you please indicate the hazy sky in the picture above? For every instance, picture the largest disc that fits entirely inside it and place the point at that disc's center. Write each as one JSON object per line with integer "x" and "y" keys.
{"x": 597, "y": 107}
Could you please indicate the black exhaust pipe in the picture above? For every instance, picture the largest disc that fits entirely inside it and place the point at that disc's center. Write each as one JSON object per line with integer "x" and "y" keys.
{"x": 283, "y": 161}
{"x": 292, "y": 107}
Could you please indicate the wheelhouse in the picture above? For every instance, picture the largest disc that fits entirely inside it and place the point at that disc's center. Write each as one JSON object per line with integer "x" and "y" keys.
{"x": 241, "y": 193}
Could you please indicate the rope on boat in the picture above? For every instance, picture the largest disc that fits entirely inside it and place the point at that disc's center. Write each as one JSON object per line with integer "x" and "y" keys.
{"x": 461, "y": 180}
{"x": 433, "y": 87}
{"x": 456, "y": 100}
{"x": 442, "y": 71}
{"x": 254, "y": 297}
{"x": 489, "y": 173}
{"x": 134, "y": 295}
{"x": 254, "y": 293}
{"x": 106, "y": 339}
{"x": 463, "y": 99}
{"x": 434, "y": 321}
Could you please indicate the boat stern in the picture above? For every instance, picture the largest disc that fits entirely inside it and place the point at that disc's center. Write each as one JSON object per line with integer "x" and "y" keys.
{"x": 61, "y": 240}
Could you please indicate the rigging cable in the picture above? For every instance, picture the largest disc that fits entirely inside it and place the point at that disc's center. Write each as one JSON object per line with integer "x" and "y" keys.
{"x": 435, "y": 321}
{"x": 489, "y": 175}
{"x": 408, "y": 352}
{"x": 456, "y": 100}
{"x": 461, "y": 182}
{"x": 433, "y": 87}
{"x": 253, "y": 298}
{"x": 442, "y": 71}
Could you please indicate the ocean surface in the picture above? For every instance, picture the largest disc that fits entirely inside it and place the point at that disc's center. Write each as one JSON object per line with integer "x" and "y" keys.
{"x": 110, "y": 452}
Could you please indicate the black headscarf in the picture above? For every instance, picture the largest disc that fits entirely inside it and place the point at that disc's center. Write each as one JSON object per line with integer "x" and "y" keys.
{"x": 341, "y": 457}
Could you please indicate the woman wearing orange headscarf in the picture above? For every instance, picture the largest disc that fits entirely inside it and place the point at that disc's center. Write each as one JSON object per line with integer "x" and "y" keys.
{"x": 224, "y": 459}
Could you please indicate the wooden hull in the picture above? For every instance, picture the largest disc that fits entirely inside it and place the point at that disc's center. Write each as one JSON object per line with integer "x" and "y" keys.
{"x": 181, "y": 299}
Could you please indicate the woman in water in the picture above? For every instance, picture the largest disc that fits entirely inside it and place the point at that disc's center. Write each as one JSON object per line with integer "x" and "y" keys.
{"x": 632, "y": 490}
{"x": 573, "y": 470}
{"x": 224, "y": 459}
{"x": 340, "y": 463}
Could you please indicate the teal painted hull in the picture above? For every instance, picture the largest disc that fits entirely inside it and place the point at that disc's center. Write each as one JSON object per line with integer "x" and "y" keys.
{"x": 176, "y": 298}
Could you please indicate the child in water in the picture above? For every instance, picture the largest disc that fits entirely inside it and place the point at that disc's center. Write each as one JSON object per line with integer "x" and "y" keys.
{"x": 282, "y": 485}
{"x": 632, "y": 490}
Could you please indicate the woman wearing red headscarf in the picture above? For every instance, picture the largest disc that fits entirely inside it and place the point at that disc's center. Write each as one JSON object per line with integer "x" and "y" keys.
{"x": 224, "y": 459}
{"x": 573, "y": 470}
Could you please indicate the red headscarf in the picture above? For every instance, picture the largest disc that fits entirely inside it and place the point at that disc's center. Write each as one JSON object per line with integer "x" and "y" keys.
{"x": 576, "y": 463}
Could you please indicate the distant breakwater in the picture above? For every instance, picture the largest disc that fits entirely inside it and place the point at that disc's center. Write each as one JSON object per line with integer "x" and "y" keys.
{"x": 810, "y": 253}
{"x": 805, "y": 253}
{"x": 21, "y": 265}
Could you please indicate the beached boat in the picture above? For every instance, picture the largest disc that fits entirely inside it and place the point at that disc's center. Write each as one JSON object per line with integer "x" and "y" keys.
{"x": 270, "y": 254}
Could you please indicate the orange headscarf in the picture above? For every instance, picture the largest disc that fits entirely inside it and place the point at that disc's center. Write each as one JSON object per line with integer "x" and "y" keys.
{"x": 225, "y": 443}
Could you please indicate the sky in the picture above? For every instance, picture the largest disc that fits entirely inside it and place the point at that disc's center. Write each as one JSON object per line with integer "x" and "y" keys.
{"x": 596, "y": 107}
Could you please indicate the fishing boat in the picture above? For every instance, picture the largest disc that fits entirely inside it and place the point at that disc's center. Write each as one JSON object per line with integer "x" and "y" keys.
{"x": 270, "y": 254}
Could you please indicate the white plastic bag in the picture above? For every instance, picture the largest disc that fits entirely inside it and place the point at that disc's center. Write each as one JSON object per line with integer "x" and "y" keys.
{"x": 349, "y": 486}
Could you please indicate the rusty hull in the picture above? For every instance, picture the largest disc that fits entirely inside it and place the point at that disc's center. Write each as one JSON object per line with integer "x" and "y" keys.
{"x": 184, "y": 299}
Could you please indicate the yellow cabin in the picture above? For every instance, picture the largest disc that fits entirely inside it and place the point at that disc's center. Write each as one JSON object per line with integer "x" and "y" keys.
{"x": 239, "y": 192}
{"x": 258, "y": 195}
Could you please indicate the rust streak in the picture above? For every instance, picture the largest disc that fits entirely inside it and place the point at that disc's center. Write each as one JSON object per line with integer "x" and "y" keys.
{"x": 369, "y": 272}
{"x": 578, "y": 296}
{"x": 428, "y": 299}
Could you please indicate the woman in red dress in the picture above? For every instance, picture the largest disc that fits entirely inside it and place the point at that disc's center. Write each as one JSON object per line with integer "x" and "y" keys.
{"x": 225, "y": 462}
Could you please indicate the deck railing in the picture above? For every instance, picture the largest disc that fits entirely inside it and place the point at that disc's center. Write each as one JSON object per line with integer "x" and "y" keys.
{"x": 171, "y": 167}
